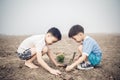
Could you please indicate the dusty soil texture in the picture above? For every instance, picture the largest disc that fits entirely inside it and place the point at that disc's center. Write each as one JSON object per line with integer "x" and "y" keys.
{"x": 12, "y": 68}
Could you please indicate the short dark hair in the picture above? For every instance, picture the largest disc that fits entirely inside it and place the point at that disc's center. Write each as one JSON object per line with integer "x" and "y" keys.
{"x": 74, "y": 30}
{"x": 55, "y": 32}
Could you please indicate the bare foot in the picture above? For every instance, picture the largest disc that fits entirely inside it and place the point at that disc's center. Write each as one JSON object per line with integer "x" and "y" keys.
{"x": 30, "y": 65}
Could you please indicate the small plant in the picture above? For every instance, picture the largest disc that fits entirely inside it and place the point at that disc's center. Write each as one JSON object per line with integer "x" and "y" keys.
{"x": 60, "y": 58}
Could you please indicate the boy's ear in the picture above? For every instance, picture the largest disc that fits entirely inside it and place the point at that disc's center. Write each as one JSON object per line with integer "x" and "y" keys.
{"x": 80, "y": 34}
{"x": 48, "y": 34}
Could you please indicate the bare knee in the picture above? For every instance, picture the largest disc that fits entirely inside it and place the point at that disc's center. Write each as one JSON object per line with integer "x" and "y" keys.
{"x": 45, "y": 49}
{"x": 80, "y": 48}
{"x": 33, "y": 51}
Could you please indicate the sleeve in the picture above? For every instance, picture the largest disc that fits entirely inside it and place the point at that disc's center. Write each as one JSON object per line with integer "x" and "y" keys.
{"x": 39, "y": 46}
{"x": 87, "y": 47}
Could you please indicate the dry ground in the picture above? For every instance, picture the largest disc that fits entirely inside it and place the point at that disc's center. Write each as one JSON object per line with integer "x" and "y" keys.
{"x": 12, "y": 68}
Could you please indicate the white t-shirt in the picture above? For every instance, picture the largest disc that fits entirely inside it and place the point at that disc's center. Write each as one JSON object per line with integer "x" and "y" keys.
{"x": 36, "y": 41}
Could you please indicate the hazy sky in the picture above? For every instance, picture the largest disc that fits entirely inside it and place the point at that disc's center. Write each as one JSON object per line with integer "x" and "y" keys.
{"x": 37, "y": 16}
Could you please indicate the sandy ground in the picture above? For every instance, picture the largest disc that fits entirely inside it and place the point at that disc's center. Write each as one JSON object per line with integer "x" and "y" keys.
{"x": 12, "y": 68}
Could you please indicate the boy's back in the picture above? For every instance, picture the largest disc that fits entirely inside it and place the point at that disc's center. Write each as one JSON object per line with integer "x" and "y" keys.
{"x": 90, "y": 46}
{"x": 37, "y": 41}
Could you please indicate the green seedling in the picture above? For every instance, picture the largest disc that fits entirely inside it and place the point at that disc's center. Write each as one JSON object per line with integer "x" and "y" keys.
{"x": 60, "y": 58}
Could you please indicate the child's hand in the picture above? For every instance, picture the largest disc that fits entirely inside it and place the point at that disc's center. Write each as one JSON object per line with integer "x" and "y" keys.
{"x": 69, "y": 68}
{"x": 55, "y": 72}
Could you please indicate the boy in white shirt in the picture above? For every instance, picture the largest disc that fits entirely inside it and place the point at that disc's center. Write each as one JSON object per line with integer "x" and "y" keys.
{"x": 36, "y": 46}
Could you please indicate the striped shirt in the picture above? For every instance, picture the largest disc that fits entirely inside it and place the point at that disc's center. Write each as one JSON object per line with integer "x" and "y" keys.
{"x": 90, "y": 46}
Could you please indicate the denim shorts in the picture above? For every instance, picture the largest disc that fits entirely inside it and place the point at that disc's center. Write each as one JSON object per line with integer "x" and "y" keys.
{"x": 26, "y": 55}
{"x": 95, "y": 59}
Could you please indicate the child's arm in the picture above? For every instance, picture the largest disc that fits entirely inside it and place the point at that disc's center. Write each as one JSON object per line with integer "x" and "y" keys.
{"x": 44, "y": 65}
{"x": 80, "y": 60}
{"x": 77, "y": 57}
{"x": 80, "y": 52}
{"x": 51, "y": 56}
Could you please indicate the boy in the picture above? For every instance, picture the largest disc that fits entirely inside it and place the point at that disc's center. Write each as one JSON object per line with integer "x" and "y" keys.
{"x": 89, "y": 50}
{"x": 36, "y": 46}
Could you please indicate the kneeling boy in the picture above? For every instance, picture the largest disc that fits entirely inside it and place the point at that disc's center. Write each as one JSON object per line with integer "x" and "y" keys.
{"x": 36, "y": 46}
{"x": 89, "y": 50}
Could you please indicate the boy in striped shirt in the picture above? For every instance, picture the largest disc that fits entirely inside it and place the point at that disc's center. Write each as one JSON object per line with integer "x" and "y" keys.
{"x": 89, "y": 51}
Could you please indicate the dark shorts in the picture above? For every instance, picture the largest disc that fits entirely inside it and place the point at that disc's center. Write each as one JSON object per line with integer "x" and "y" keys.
{"x": 26, "y": 55}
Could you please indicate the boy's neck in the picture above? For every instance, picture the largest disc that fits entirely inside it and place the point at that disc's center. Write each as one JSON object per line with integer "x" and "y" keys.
{"x": 84, "y": 36}
{"x": 45, "y": 39}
